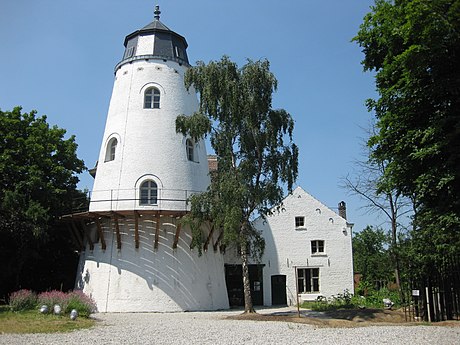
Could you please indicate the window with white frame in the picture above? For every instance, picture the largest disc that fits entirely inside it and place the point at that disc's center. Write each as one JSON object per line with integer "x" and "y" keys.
{"x": 152, "y": 98}
{"x": 111, "y": 150}
{"x": 190, "y": 149}
{"x": 307, "y": 280}
{"x": 317, "y": 247}
{"x": 299, "y": 222}
{"x": 148, "y": 193}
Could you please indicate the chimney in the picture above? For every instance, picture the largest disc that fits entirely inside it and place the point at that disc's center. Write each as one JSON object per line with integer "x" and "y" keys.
{"x": 212, "y": 163}
{"x": 343, "y": 209}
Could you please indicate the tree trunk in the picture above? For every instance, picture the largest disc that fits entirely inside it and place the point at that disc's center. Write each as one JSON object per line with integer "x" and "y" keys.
{"x": 394, "y": 243}
{"x": 248, "y": 307}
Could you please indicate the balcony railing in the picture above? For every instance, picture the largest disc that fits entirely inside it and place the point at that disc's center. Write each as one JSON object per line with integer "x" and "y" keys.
{"x": 130, "y": 199}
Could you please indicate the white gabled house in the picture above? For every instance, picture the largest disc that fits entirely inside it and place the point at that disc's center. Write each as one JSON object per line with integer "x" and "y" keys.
{"x": 307, "y": 249}
{"x": 308, "y": 240}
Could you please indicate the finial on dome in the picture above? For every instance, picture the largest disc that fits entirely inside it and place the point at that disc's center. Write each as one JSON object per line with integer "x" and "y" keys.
{"x": 157, "y": 12}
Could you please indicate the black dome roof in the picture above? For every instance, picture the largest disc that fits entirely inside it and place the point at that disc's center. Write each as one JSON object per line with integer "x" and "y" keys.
{"x": 167, "y": 45}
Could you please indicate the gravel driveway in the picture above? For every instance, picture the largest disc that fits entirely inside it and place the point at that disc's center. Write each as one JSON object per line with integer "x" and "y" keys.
{"x": 214, "y": 328}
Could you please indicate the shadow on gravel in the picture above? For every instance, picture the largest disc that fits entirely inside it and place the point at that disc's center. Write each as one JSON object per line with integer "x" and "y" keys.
{"x": 339, "y": 318}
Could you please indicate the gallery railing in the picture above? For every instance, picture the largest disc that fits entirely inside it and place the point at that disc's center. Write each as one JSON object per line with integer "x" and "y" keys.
{"x": 131, "y": 199}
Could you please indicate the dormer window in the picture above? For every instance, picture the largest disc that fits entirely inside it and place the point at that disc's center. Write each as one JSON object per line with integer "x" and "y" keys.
{"x": 178, "y": 52}
{"x": 152, "y": 98}
{"x": 129, "y": 52}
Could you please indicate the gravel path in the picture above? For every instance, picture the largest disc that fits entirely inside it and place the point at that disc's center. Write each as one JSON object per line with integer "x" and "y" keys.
{"x": 213, "y": 328}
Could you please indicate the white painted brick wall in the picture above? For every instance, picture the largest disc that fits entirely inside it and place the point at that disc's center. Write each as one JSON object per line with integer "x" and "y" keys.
{"x": 148, "y": 279}
{"x": 287, "y": 247}
{"x": 148, "y": 141}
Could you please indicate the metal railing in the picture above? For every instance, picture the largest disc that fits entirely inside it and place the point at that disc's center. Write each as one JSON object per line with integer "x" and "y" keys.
{"x": 127, "y": 199}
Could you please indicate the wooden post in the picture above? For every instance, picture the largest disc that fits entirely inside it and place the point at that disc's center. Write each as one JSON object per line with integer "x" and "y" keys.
{"x": 117, "y": 230}
{"x": 136, "y": 229}
{"x": 87, "y": 235}
{"x": 101, "y": 233}
{"x": 157, "y": 231}
{"x": 297, "y": 291}
{"x": 176, "y": 237}
{"x": 205, "y": 246}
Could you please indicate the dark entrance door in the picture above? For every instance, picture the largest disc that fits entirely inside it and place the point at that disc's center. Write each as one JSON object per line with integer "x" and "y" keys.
{"x": 279, "y": 290}
{"x": 234, "y": 281}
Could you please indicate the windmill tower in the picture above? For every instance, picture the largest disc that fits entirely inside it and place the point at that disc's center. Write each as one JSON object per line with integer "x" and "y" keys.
{"x": 137, "y": 255}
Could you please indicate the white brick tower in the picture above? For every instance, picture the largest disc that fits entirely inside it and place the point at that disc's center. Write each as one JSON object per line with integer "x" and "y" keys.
{"x": 140, "y": 147}
{"x": 136, "y": 255}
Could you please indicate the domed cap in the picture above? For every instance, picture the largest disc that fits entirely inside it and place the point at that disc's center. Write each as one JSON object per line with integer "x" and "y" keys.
{"x": 167, "y": 44}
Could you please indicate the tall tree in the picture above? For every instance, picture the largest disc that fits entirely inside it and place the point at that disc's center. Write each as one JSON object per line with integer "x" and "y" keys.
{"x": 414, "y": 48}
{"x": 383, "y": 199}
{"x": 255, "y": 152}
{"x": 370, "y": 255}
{"x": 38, "y": 181}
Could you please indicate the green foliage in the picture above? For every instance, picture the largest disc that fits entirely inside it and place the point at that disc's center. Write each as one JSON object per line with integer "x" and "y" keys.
{"x": 372, "y": 300}
{"x": 38, "y": 182}
{"x": 371, "y": 256}
{"x": 253, "y": 144}
{"x": 249, "y": 139}
{"x": 23, "y": 300}
{"x": 84, "y": 304}
{"x": 413, "y": 46}
{"x": 29, "y": 321}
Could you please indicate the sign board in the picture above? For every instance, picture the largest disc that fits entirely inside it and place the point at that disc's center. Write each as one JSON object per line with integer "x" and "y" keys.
{"x": 415, "y": 292}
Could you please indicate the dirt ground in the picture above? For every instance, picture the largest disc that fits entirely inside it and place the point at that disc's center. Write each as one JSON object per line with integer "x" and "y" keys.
{"x": 344, "y": 318}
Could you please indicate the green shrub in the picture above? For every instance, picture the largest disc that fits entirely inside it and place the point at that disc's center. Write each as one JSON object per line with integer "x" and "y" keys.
{"x": 82, "y": 303}
{"x": 374, "y": 298}
{"x": 346, "y": 300}
{"x": 23, "y": 300}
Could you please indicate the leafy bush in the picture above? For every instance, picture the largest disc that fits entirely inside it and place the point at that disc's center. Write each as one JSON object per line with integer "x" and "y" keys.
{"x": 84, "y": 304}
{"x": 23, "y": 300}
{"x": 346, "y": 300}
{"x": 374, "y": 298}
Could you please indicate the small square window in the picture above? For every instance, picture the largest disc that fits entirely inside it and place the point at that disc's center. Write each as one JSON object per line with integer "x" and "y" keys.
{"x": 317, "y": 247}
{"x": 299, "y": 222}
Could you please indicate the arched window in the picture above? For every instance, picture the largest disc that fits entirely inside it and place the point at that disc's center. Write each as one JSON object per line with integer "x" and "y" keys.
{"x": 190, "y": 148}
{"x": 148, "y": 193}
{"x": 152, "y": 98}
{"x": 111, "y": 150}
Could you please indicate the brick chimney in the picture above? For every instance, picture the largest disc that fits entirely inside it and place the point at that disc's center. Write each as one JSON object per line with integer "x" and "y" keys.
{"x": 212, "y": 163}
{"x": 343, "y": 209}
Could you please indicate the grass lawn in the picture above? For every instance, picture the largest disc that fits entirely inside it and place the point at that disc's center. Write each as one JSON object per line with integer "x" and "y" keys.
{"x": 32, "y": 321}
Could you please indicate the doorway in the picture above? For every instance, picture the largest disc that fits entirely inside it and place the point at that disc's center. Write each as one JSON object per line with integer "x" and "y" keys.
{"x": 279, "y": 290}
{"x": 234, "y": 281}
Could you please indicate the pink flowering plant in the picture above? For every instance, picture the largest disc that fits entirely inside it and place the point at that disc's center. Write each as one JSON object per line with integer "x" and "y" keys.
{"x": 23, "y": 300}
{"x": 50, "y": 298}
{"x": 28, "y": 300}
{"x": 84, "y": 304}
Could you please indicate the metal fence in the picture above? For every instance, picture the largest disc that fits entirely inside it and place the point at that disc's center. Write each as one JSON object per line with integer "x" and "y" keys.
{"x": 436, "y": 295}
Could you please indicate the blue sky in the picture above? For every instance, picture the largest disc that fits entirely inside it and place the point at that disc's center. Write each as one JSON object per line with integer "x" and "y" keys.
{"x": 58, "y": 58}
